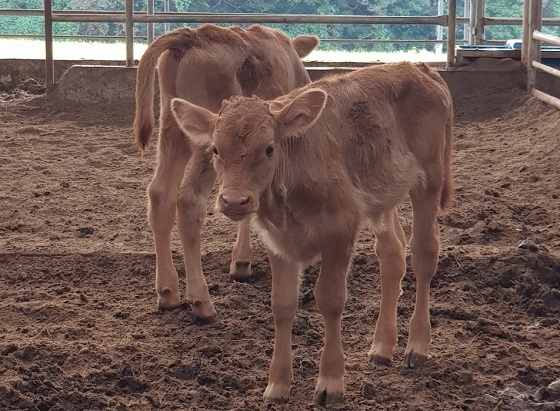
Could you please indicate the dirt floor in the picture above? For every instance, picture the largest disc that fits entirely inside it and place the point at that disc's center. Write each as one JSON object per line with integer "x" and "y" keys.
{"x": 79, "y": 327}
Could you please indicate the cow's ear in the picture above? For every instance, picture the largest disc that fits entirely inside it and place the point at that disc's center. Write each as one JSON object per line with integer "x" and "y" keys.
{"x": 303, "y": 111}
{"x": 195, "y": 121}
{"x": 305, "y": 44}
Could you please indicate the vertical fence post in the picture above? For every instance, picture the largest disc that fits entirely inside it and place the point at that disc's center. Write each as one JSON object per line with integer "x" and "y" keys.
{"x": 534, "y": 51}
{"x": 451, "y": 30}
{"x": 472, "y": 21}
{"x": 525, "y": 41}
{"x": 439, "y": 29}
{"x": 49, "y": 60}
{"x": 476, "y": 21}
{"x": 466, "y": 26}
{"x": 150, "y": 26}
{"x": 166, "y": 26}
{"x": 479, "y": 28}
{"x": 129, "y": 31}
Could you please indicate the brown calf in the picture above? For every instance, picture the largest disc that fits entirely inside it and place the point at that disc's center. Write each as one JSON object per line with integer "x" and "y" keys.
{"x": 204, "y": 66}
{"x": 311, "y": 168}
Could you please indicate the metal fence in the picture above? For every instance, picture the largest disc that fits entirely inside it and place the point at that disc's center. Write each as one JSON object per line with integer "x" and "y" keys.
{"x": 532, "y": 55}
{"x": 474, "y": 22}
{"x": 129, "y": 17}
{"x": 480, "y": 23}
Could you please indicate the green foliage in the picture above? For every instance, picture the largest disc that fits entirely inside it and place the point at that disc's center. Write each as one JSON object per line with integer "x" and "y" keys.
{"x": 494, "y": 8}
{"x": 504, "y": 8}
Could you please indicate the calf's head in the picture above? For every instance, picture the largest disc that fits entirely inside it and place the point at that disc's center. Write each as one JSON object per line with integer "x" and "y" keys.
{"x": 245, "y": 138}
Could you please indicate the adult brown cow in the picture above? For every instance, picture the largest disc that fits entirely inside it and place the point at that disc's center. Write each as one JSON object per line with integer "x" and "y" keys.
{"x": 204, "y": 66}
{"x": 312, "y": 167}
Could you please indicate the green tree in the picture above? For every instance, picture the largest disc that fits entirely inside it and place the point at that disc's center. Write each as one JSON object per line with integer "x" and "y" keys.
{"x": 494, "y": 8}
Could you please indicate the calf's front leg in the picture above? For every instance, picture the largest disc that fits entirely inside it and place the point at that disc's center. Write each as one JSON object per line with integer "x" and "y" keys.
{"x": 330, "y": 295}
{"x": 240, "y": 268}
{"x": 285, "y": 290}
{"x": 193, "y": 199}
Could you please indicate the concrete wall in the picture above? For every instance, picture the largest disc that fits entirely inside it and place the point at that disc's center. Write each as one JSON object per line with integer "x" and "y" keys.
{"x": 110, "y": 84}
{"x": 16, "y": 71}
{"x": 115, "y": 84}
{"x": 97, "y": 85}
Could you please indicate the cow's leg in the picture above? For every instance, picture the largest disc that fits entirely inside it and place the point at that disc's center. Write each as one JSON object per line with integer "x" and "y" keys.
{"x": 193, "y": 198}
{"x": 242, "y": 254}
{"x": 424, "y": 247}
{"x": 330, "y": 295}
{"x": 173, "y": 155}
{"x": 390, "y": 249}
{"x": 285, "y": 289}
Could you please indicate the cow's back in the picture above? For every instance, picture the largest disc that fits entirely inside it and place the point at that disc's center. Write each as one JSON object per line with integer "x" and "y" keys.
{"x": 376, "y": 119}
{"x": 222, "y": 62}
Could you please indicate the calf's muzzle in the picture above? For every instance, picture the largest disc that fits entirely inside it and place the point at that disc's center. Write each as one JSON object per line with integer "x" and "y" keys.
{"x": 234, "y": 206}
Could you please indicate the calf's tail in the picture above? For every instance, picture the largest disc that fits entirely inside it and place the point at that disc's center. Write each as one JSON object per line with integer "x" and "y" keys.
{"x": 177, "y": 41}
{"x": 446, "y": 197}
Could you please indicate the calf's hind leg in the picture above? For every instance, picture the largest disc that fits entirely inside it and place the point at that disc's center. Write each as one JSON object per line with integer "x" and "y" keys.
{"x": 330, "y": 295}
{"x": 390, "y": 249}
{"x": 424, "y": 247}
{"x": 173, "y": 155}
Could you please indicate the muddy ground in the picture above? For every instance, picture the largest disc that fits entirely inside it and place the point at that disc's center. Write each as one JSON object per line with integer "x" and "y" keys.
{"x": 79, "y": 327}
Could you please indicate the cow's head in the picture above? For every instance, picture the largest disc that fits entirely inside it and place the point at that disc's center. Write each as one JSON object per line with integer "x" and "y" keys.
{"x": 245, "y": 139}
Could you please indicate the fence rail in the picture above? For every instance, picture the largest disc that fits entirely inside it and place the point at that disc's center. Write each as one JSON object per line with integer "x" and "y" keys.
{"x": 129, "y": 17}
{"x": 474, "y": 22}
{"x": 534, "y": 53}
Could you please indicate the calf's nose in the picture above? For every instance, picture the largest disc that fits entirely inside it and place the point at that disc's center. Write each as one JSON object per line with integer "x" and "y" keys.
{"x": 233, "y": 201}
{"x": 235, "y": 207}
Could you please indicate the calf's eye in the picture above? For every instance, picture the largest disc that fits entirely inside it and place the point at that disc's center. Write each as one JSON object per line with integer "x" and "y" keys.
{"x": 214, "y": 150}
{"x": 269, "y": 150}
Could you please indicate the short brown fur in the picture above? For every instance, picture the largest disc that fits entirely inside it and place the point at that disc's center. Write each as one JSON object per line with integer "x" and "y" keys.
{"x": 205, "y": 66}
{"x": 313, "y": 167}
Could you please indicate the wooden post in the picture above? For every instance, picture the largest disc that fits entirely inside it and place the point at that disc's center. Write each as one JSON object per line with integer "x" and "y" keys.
{"x": 150, "y": 27}
{"x": 451, "y": 30}
{"x": 166, "y": 26}
{"x": 129, "y": 31}
{"x": 466, "y": 26}
{"x": 534, "y": 54}
{"x": 525, "y": 38}
{"x": 479, "y": 24}
{"x": 439, "y": 29}
{"x": 472, "y": 21}
{"x": 49, "y": 59}
{"x": 476, "y": 22}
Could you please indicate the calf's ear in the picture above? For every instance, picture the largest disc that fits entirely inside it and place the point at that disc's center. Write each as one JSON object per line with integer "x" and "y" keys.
{"x": 305, "y": 44}
{"x": 195, "y": 121}
{"x": 303, "y": 111}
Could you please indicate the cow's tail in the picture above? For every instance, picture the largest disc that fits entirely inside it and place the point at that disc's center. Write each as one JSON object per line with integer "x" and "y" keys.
{"x": 447, "y": 192}
{"x": 446, "y": 197}
{"x": 178, "y": 41}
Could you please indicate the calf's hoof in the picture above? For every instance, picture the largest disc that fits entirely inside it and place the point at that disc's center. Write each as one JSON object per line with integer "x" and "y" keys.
{"x": 379, "y": 360}
{"x": 413, "y": 360}
{"x": 276, "y": 393}
{"x": 240, "y": 270}
{"x": 329, "y": 391}
{"x": 381, "y": 354}
{"x": 168, "y": 298}
{"x": 325, "y": 398}
{"x": 203, "y": 311}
